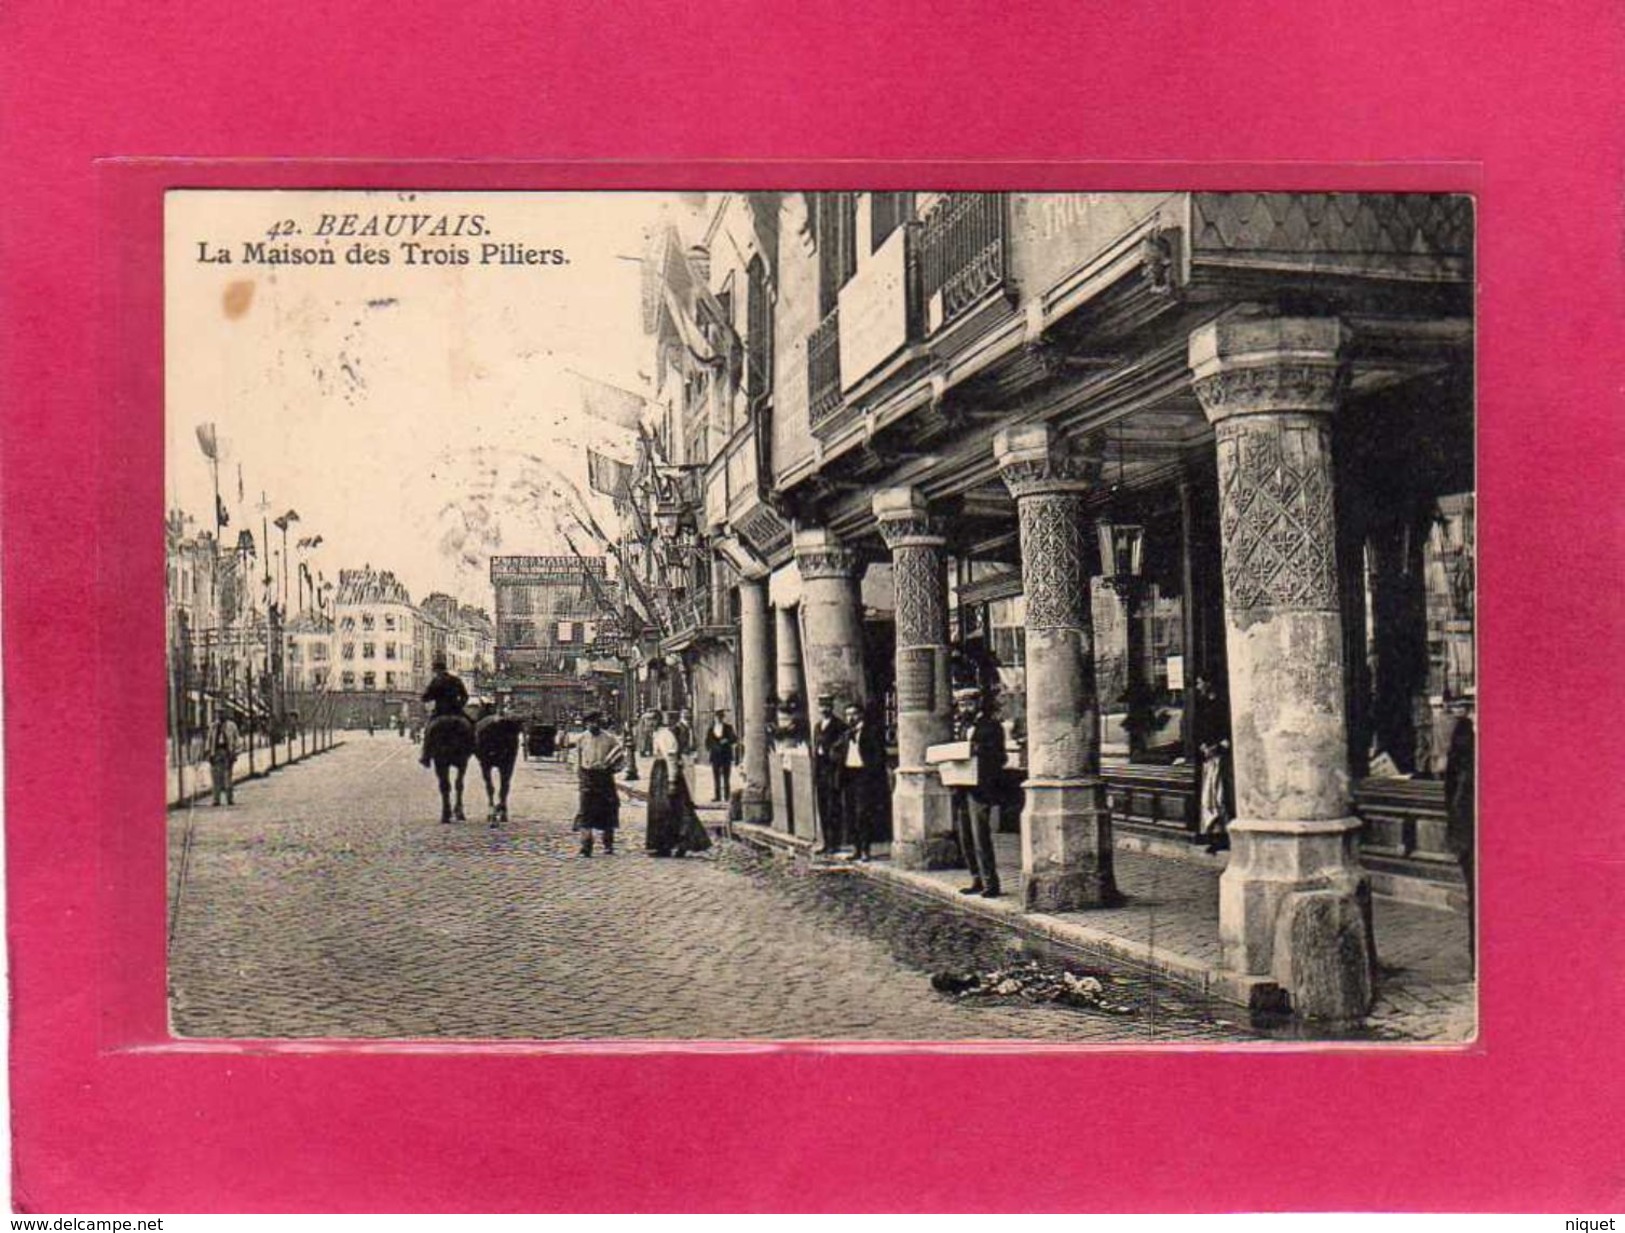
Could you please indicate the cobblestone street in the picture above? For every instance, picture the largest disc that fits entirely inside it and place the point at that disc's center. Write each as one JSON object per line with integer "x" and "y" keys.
{"x": 331, "y": 902}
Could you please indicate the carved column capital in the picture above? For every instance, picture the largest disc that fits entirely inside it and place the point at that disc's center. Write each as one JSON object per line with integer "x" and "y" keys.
{"x": 1035, "y": 459}
{"x": 819, "y": 554}
{"x": 905, "y": 520}
{"x": 1269, "y": 365}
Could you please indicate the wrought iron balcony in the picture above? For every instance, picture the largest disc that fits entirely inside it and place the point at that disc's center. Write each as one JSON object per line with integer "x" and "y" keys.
{"x": 964, "y": 247}
{"x": 824, "y": 369}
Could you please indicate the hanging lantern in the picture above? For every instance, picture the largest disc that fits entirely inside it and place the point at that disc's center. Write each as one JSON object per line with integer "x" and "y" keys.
{"x": 1122, "y": 549}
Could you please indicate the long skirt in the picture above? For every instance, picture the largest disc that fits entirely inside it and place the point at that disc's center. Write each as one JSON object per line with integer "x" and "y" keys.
{"x": 691, "y": 833}
{"x": 660, "y": 836}
{"x": 600, "y": 803}
{"x": 674, "y": 826}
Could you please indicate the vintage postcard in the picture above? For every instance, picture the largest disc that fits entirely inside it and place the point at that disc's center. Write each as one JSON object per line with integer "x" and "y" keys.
{"x": 821, "y": 616}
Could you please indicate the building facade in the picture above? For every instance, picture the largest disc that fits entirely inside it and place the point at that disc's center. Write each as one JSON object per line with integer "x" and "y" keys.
{"x": 381, "y": 656}
{"x": 1161, "y": 465}
{"x": 553, "y": 625}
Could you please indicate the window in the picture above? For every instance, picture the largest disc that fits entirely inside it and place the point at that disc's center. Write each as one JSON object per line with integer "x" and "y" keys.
{"x": 389, "y": 680}
{"x": 349, "y": 680}
{"x": 389, "y": 650}
{"x": 348, "y": 652}
{"x": 367, "y": 620}
{"x": 318, "y": 651}
{"x": 389, "y": 622}
{"x": 887, "y": 212}
{"x": 835, "y": 231}
{"x": 347, "y": 624}
{"x": 758, "y": 330}
{"x": 567, "y": 631}
{"x": 293, "y": 649}
{"x": 369, "y": 680}
{"x": 369, "y": 650}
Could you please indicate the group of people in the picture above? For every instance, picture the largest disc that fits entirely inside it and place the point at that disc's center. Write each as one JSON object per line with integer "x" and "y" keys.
{"x": 720, "y": 742}
{"x": 849, "y": 777}
{"x": 673, "y": 828}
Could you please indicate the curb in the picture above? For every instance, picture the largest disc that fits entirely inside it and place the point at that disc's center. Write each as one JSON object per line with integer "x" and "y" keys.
{"x": 1251, "y": 992}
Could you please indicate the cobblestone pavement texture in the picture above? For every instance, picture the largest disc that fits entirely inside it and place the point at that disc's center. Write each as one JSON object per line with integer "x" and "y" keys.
{"x": 330, "y": 902}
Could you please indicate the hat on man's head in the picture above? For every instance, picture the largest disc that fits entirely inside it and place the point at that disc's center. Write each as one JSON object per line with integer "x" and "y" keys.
{"x": 592, "y": 715}
{"x": 439, "y": 661}
{"x": 826, "y": 699}
{"x": 967, "y": 693}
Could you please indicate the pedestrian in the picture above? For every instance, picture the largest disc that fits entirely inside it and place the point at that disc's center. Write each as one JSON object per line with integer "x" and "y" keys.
{"x": 598, "y": 756}
{"x": 1213, "y": 744}
{"x": 684, "y": 731}
{"x": 674, "y": 828}
{"x": 223, "y": 742}
{"x": 829, "y": 736}
{"x": 1461, "y": 807}
{"x": 720, "y": 741}
{"x": 446, "y": 694}
{"x": 665, "y": 763}
{"x": 863, "y": 778}
{"x": 646, "y": 730}
{"x": 974, "y": 803}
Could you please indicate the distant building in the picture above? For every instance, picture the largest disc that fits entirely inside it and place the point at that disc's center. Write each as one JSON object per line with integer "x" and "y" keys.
{"x": 466, "y": 636}
{"x": 550, "y": 620}
{"x": 381, "y": 658}
{"x": 308, "y": 638}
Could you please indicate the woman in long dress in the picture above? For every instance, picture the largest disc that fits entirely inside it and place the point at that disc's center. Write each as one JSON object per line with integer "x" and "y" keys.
{"x": 660, "y": 836}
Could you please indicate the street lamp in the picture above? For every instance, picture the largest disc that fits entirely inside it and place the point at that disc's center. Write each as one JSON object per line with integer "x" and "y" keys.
{"x": 1122, "y": 551}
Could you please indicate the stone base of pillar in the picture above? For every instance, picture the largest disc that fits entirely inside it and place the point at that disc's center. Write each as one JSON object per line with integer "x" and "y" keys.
{"x": 1294, "y": 905}
{"x": 1066, "y": 846}
{"x": 923, "y": 823}
{"x": 756, "y": 805}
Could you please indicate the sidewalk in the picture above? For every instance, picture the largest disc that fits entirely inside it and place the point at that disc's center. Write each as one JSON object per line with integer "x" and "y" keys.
{"x": 1169, "y": 923}
{"x": 199, "y": 780}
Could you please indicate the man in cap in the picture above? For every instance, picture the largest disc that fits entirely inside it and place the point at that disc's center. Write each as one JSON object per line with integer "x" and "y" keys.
{"x": 598, "y": 756}
{"x": 977, "y": 722}
{"x": 224, "y": 740}
{"x": 446, "y": 693}
{"x": 828, "y": 750}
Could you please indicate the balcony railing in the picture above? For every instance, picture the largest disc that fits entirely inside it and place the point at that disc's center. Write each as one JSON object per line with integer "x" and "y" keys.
{"x": 696, "y": 612}
{"x": 824, "y": 369}
{"x": 963, "y": 249}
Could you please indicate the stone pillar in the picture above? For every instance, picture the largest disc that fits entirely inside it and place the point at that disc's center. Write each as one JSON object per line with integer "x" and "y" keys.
{"x": 831, "y": 616}
{"x": 922, "y": 808}
{"x": 787, "y": 644}
{"x": 1066, "y": 836}
{"x": 1293, "y": 900}
{"x": 755, "y": 671}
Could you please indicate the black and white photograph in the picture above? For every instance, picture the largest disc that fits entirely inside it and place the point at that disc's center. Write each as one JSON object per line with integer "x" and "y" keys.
{"x": 924, "y": 618}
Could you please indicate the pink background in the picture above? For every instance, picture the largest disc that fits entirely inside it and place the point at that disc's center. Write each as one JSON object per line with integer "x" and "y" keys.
{"x": 1516, "y": 102}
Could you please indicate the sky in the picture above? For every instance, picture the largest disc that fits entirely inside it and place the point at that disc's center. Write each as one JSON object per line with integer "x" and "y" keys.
{"x": 418, "y": 417}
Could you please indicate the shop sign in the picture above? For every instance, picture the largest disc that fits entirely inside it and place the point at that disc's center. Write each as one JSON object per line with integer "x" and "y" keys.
{"x": 916, "y": 680}
{"x": 874, "y": 310}
{"x": 1056, "y": 234}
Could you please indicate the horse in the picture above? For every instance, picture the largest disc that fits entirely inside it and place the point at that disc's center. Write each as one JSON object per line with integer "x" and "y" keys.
{"x": 449, "y": 742}
{"x": 496, "y": 744}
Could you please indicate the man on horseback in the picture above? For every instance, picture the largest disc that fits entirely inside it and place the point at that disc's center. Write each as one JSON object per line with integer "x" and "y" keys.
{"x": 447, "y": 694}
